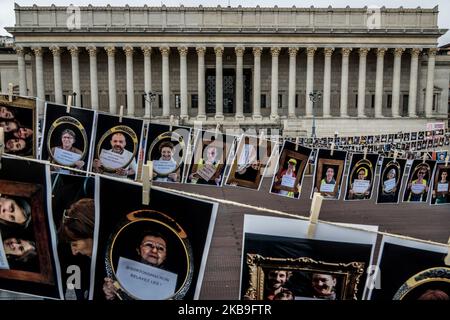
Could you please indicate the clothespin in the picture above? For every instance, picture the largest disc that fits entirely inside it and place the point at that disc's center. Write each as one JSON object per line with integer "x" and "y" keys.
{"x": 10, "y": 92}
{"x": 332, "y": 149}
{"x": 120, "y": 114}
{"x": 314, "y": 214}
{"x": 447, "y": 258}
{"x": 395, "y": 155}
{"x": 147, "y": 178}
{"x": 2, "y": 144}
{"x": 446, "y": 160}
{"x": 171, "y": 122}
{"x": 69, "y": 104}
{"x": 297, "y": 140}
{"x": 365, "y": 153}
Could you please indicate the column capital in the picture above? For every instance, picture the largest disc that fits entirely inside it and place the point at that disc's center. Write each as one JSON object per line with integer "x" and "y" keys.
{"x": 38, "y": 51}
{"x": 146, "y": 50}
{"x": 110, "y": 51}
{"x": 200, "y": 50}
{"x": 19, "y": 50}
{"x": 92, "y": 50}
{"x": 415, "y": 52}
{"x": 73, "y": 51}
{"x": 398, "y": 52}
{"x": 183, "y": 51}
{"x": 275, "y": 51}
{"x": 128, "y": 49}
{"x": 218, "y": 50}
{"x": 432, "y": 51}
{"x": 381, "y": 52}
{"x": 363, "y": 52}
{"x": 346, "y": 51}
{"x": 310, "y": 51}
{"x": 239, "y": 51}
{"x": 293, "y": 51}
{"x": 257, "y": 51}
{"x": 165, "y": 51}
{"x": 328, "y": 52}
{"x": 56, "y": 51}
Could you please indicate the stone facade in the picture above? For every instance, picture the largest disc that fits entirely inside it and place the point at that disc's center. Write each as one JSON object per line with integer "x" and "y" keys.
{"x": 172, "y": 38}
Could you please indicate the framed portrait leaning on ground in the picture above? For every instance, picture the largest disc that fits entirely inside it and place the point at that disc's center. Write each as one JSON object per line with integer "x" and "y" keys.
{"x": 28, "y": 259}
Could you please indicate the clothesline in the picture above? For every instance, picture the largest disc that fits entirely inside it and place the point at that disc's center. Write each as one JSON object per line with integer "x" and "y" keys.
{"x": 233, "y": 203}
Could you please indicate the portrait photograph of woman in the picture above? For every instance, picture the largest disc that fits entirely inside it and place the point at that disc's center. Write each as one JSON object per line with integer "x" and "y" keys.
{"x": 390, "y": 181}
{"x": 419, "y": 181}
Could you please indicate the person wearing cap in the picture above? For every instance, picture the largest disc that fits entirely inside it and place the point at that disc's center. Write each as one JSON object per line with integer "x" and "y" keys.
{"x": 289, "y": 172}
{"x": 14, "y": 211}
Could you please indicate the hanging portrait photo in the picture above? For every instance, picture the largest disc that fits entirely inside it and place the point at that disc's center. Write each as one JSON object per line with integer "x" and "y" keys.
{"x": 19, "y": 122}
{"x": 150, "y": 252}
{"x": 441, "y": 185}
{"x": 74, "y": 217}
{"x": 67, "y": 137}
{"x": 280, "y": 261}
{"x": 391, "y": 178}
{"x": 288, "y": 178}
{"x": 210, "y": 158}
{"x": 361, "y": 178}
{"x": 411, "y": 270}
{"x": 419, "y": 181}
{"x": 28, "y": 258}
{"x": 117, "y": 146}
{"x": 328, "y": 173}
{"x": 250, "y": 162}
{"x": 167, "y": 149}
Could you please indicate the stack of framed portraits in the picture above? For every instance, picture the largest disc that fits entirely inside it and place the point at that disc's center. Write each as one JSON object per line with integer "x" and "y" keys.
{"x": 391, "y": 179}
{"x": 67, "y": 137}
{"x": 328, "y": 173}
{"x": 152, "y": 252}
{"x": 118, "y": 143}
{"x": 250, "y": 162}
{"x": 288, "y": 178}
{"x": 361, "y": 177}
{"x": 18, "y": 119}
{"x": 209, "y": 158}
{"x": 167, "y": 149}
{"x": 28, "y": 259}
{"x": 281, "y": 262}
{"x": 411, "y": 270}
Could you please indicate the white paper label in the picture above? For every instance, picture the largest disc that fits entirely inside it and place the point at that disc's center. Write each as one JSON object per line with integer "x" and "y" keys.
{"x": 361, "y": 186}
{"x": 164, "y": 167}
{"x": 417, "y": 188}
{"x": 207, "y": 172}
{"x": 442, "y": 187}
{"x": 145, "y": 282}
{"x": 114, "y": 160}
{"x": 65, "y": 157}
{"x": 327, "y": 187}
{"x": 288, "y": 181}
{"x": 3, "y": 260}
{"x": 389, "y": 185}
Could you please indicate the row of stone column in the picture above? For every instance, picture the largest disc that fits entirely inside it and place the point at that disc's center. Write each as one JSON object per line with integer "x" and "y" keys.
{"x": 275, "y": 51}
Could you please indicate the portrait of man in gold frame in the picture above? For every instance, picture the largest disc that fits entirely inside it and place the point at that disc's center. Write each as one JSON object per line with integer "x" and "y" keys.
{"x": 322, "y": 166}
{"x": 347, "y": 274}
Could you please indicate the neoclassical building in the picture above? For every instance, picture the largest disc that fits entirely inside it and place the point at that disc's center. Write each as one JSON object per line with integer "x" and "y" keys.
{"x": 377, "y": 70}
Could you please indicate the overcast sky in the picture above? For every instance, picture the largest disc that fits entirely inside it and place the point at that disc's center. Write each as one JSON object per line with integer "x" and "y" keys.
{"x": 7, "y": 12}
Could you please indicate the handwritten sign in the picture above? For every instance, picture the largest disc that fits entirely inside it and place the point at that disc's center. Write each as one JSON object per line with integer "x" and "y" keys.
{"x": 207, "y": 172}
{"x": 144, "y": 281}
{"x": 327, "y": 187}
{"x": 442, "y": 187}
{"x": 164, "y": 167}
{"x": 389, "y": 185}
{"x": 3, "y": 260}
{"x": 114, "y": 160}
{"x": 417, "y": 188}
{"x": 288, "y": 181}
{"x": 65, "y": 157}
{"x": 361, "y": 186}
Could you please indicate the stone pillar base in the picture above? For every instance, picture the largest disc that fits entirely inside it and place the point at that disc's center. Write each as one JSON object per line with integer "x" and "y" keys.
{"x": 219, "y": 117}
{"x": 274, "y": 117}
{"x": 362, "y": 116}
{"x": 201, "y": 117}
{"x": 344, "y": 116}
{"x": 239, "y": 117}
{"x": 257, "y": 117}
